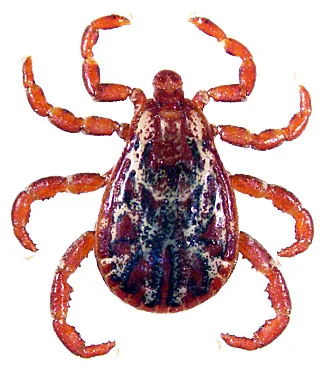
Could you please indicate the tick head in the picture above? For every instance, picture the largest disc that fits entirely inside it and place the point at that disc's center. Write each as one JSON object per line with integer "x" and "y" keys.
{"x": 168, "y": 88}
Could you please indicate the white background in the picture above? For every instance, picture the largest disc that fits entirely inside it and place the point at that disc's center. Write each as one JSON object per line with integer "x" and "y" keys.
{"x": 286, "y": 40}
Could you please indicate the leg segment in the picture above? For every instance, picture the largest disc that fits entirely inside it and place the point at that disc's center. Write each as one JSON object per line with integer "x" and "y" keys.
{"x": 103, "y": 92}
{"x": 46, "y": 188}
{"x": 285, "y": 202}
{"x": 60, "y": 297}
{"x": 278, "y": 294}
{"x": 247, "y": 71}
{"x": 270, "y": 138}
{"x": 62, "y": 118}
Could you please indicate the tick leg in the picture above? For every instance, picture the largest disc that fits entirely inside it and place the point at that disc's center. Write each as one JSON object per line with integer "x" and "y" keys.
{"x": 46, "y": 188}
{"x": 278, "y": 294}
{"x": 60, "y": 297}
{"x": 103, "y": 92}
{"x": 247, "y": 71}
{"x": 270, "y": 138}
{"x": 284, "y": 201}
{"x": 62, "y": 118}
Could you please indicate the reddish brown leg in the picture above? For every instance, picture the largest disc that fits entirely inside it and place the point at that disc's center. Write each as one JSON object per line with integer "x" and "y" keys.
{"x": 284, "y": 201}
{"x": 103, "y": 92}
{"x": 247, "y": 71}
{"x": 270, "y": 138}
{"x": 62, "y": 118}
{"x": 278, "y": 294}
{"x": 46, "y": 188}
{"x": 60, "y": 297}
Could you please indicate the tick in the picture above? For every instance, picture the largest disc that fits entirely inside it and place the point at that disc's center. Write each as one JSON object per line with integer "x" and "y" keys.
{"x": 167, "y": 236}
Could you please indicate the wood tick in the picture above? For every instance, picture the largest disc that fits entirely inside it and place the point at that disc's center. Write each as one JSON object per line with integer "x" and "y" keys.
{"x": 167, "y": 236}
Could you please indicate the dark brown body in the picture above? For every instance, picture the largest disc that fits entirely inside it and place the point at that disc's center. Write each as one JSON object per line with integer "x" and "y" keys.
{"x": 167, "y": 233}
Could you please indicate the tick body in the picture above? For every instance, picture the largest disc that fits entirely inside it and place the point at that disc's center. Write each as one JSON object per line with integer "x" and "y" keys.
{"x": 167, "y": 236}
{"x": 167, "y": 230}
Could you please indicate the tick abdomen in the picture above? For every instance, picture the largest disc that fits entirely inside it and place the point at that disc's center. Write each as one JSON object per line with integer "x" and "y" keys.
{"x": 166, "y": 236}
